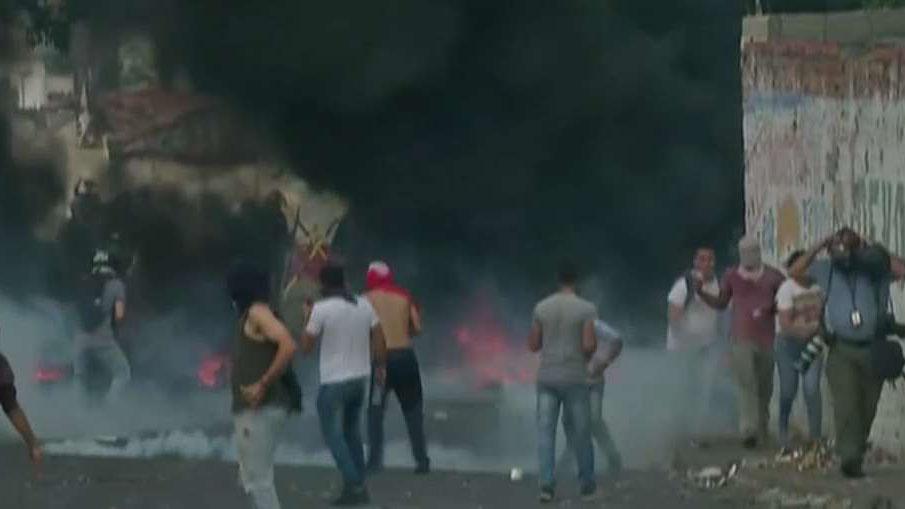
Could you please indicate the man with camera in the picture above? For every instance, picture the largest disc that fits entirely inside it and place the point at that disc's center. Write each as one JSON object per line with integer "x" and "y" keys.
{"x": 856, "y": 277}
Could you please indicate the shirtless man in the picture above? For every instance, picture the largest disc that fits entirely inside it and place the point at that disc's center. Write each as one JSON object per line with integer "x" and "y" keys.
{"x": 401, "y": 320}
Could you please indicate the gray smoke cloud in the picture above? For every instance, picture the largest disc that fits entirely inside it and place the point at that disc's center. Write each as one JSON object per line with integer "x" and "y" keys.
{"x": 476, "y": 143}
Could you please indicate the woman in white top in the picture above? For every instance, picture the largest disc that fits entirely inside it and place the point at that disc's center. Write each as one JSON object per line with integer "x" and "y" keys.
{"x": 799, "y": 303}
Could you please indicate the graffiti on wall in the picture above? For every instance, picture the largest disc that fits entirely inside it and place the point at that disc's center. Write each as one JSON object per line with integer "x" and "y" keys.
{"x": 824, "y": 132}
{"x": 793, "y": 219}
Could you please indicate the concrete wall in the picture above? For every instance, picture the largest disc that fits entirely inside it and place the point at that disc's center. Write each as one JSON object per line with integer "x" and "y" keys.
{"x": 824, "y": 130}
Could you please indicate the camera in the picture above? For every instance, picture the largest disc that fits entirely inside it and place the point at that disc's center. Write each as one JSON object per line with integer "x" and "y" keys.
{"x": 814, "y": 349}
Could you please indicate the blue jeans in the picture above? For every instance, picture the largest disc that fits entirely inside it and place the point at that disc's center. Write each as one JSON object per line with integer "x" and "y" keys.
{"x": 108, "y": 357}
{"x": 787, "y": 352}
{"x": 339, "y": 407}
{"x": 600, "y": 432}
{"x": 575, "y": 400}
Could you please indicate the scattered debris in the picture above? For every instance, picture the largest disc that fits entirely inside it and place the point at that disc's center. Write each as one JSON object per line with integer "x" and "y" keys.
{"x": 713, "y": 476}
{"x": 515, "y": 475}
{"x": 815, "y": 456}
{"x": 776, "y": 498}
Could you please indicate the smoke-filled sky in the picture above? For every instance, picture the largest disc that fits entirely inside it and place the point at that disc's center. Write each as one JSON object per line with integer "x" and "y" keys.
{"x": 494, "y": 136}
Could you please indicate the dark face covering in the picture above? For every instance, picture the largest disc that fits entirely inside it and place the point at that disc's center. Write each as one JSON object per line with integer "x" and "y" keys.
{"x": 843, "y": 249}
{"x": 850, "y": 253}
{"x": 841, "y": 257}
{"x": 246, "y": 284}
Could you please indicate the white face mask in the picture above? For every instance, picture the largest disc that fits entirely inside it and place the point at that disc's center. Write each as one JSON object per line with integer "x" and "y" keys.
{"x": 750, "y": 258}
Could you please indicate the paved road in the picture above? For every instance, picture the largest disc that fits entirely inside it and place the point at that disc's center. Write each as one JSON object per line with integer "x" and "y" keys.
{"x": 94, "y": 483}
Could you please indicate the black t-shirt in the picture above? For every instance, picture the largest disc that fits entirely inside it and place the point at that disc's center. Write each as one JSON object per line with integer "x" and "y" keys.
{"x": 7, "y": 386}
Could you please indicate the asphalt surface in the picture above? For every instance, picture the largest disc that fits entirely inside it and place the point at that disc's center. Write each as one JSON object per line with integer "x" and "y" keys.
{"x": 97, "y": 483}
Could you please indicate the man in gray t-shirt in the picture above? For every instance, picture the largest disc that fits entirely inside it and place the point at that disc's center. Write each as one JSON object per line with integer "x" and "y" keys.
{"x": 96, "y": 342}
{"x": 563, "y": 333}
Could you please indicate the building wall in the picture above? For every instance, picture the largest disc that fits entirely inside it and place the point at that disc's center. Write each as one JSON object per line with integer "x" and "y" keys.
{"x": 824, "y": 126}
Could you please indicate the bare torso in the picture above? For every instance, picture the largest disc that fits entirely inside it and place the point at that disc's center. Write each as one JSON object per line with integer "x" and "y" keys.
{"x": 395, "y": 314}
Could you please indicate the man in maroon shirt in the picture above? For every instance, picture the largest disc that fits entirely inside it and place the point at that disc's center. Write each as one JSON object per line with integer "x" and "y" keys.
{"x": 751, "y": 287}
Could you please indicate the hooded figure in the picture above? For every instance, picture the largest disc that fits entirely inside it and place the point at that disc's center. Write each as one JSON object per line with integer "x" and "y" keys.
{"x": 264, "y": 390}
{"x": 401, "y": 321}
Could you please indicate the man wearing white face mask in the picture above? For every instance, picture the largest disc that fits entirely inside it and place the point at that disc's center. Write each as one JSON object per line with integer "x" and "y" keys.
{"x": 751, "y": 287}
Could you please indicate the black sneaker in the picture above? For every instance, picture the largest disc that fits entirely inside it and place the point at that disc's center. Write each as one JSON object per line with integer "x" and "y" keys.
{"x": 374, "y": 468}
{"x": 588, "y": 492}
{"x": 852, "y": 470}
{"x": 351, "y": 497}
{"x": 546, "y": 495}
{"x": 423, "y": 468}
{"x": 749, "y": 442}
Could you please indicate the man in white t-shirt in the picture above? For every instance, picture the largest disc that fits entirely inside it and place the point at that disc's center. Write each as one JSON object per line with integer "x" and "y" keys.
{"x": 351, "y": 340}
{"x": 692, "y": 334}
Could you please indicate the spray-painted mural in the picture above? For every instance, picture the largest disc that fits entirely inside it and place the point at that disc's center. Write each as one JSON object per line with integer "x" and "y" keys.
{"x": 824, "y": 132}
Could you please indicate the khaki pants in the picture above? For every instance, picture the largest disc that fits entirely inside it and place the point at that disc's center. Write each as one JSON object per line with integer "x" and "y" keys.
{"x": 752, "y": 370}
{"x": 855, "y": 392}
{"x": 257, "y": 433}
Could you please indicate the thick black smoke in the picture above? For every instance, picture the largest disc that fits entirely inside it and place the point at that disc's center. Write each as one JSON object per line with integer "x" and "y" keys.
{"x": 506, "y": 134}
{"x": 495, "y": 137}
{"x": 27, "y": 191}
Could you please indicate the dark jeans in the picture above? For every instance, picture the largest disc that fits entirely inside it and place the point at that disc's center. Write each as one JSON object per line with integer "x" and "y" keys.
{"x": 788, "y": 352}
{"x": 339, "y": 408}
{"x": 404, "y": 379}
{"x": 600, "y": 432}
{"x": 575, "y": 400}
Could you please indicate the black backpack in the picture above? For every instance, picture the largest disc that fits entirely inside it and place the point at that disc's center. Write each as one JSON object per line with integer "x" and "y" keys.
{"x": 688, "y": 276}
{"x": 90, "y": 303}
{"x": 291, "y": 382}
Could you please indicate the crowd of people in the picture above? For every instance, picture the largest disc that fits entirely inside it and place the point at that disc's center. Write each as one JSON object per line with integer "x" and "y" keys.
{"x": 829, "y": 313}
{"x": 836, "y": 307}
{"x": 365, "y": 351}
{"x": 782, "y": 323}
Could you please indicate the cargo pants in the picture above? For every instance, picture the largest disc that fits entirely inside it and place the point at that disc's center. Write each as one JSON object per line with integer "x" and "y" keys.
{"x": 855, "y": 391}
{"x": 752, "y": 370}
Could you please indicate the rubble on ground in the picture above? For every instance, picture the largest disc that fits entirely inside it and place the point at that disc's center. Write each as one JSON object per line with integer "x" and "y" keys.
{"x": 713, "y": 476}
{"x": 814, "y": 456}
{"x": 779, "y": 499}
